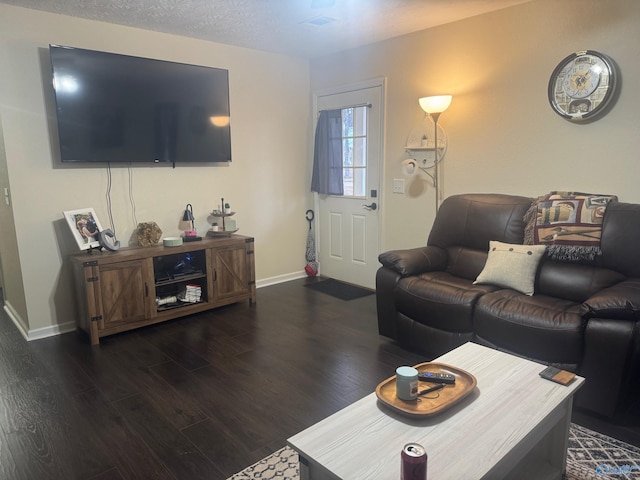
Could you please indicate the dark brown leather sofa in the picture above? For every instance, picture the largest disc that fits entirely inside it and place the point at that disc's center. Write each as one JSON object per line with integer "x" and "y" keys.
{"x": 583, "y": 317}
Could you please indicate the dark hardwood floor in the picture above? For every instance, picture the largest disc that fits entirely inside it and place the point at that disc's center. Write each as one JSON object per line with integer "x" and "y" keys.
{"x": 196, "y": 398}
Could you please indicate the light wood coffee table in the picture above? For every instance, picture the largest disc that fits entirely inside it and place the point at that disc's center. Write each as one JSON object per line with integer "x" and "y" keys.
{"x": 514, "y": 425}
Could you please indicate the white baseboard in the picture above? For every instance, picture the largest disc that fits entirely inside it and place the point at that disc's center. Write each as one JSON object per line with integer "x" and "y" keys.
{"x": 16, "y": 319}
{"x": 265, "y": 282}
{"x": 51, "y": 331}
{"x": 68, "y": 327}
{"x": 37, "y": 333}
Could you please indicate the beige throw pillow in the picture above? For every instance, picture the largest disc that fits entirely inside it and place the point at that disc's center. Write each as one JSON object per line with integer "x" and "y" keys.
{"x": 512, "y": 266}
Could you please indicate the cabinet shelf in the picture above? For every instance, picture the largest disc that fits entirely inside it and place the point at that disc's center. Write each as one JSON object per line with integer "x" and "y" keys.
{"x": 176, "y": 280}
{"x": 178, "y": 304}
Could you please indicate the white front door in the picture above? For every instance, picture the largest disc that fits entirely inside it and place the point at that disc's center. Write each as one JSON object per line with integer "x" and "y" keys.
{"x": 349, "y": 233}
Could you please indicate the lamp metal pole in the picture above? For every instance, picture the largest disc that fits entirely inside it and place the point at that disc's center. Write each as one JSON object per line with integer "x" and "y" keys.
{"x": 436, "y": 179}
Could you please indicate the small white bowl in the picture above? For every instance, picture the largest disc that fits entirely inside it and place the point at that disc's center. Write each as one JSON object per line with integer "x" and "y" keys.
{"x": 172, "y": 241}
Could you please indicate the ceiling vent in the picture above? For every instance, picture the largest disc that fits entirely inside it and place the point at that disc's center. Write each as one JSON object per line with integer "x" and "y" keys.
{"x": 318, "y": 21}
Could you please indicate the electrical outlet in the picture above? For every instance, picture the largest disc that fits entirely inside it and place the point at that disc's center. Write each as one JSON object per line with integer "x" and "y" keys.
{"x": 398, "y": 185}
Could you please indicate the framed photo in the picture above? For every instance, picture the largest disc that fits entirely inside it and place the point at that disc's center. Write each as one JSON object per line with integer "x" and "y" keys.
{"x": 85, "y": 227}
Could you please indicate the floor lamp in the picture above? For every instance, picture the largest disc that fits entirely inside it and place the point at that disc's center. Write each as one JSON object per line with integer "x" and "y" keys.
{"x": 434, "y": 106}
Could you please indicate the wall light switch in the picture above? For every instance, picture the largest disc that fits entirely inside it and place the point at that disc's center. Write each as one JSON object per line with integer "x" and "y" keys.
{"x": 6, "y": 196}
{"x": 398, "y": 185}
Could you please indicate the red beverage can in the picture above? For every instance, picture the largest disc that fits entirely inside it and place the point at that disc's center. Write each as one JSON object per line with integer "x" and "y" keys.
{"x": 414, "y": 462}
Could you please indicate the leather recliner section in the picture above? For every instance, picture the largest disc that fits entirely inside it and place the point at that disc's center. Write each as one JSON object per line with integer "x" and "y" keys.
{"x": 583, "y": 316}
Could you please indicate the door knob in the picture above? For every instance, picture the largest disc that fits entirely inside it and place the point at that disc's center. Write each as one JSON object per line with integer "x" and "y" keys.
{"x": 373, "y": 206}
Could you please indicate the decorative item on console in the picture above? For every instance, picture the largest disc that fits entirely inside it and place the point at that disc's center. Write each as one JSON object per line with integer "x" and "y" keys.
{"x": 190, "y": 235}
{"x": 108, "y": 240}
{"x": 221, "y": 223}
{"x": 148, "y": 234}
{"x": 85, "y": 227}
{"x": 172, "y": 241}
{"x": 88, "y": 233}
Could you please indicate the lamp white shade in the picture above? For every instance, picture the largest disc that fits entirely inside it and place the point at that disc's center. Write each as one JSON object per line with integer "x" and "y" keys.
{"x": 409, "y": 167}
{"x": 436, "y": 104}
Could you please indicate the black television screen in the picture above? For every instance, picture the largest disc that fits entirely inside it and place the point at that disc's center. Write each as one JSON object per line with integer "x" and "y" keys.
{"x": 119, "y": 108}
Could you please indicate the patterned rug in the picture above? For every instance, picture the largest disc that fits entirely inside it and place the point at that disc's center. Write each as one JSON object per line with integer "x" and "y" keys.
{"x": 282, "y": 465}
{"x": 590, "y": 456}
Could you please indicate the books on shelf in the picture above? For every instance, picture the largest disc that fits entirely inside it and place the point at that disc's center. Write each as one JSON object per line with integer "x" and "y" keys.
{"x": 191, "y": 294}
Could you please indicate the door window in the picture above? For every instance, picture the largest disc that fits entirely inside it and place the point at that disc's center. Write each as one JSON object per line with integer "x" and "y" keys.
{"x": 354, "y": 151}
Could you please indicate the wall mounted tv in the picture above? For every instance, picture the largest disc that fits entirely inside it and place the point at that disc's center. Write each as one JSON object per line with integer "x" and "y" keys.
{"x": 119, "y": 108}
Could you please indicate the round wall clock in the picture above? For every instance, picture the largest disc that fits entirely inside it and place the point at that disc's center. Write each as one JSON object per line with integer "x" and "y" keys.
{"x": 582, "y": 85}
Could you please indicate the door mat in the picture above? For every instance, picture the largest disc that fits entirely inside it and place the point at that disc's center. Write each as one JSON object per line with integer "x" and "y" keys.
{"x": 338, "y": 289}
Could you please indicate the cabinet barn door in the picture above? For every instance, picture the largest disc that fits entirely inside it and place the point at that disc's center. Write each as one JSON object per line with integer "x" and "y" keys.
{"x": 125, "y": 293}
{"x": 231, "y": 274}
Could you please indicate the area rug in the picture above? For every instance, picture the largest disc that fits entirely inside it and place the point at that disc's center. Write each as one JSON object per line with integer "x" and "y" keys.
{"x": 590, "y": 456}
{"x": 338, "y": 289}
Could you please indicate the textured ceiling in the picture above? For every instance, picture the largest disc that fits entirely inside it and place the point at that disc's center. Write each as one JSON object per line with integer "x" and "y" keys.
{"x": 275, "y": 25}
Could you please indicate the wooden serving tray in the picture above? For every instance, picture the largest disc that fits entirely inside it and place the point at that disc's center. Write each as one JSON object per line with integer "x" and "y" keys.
{"x": 431, "y": 403}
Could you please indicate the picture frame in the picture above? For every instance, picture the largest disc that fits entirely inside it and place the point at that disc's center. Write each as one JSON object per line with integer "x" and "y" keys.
{"x": 85, "y": 227}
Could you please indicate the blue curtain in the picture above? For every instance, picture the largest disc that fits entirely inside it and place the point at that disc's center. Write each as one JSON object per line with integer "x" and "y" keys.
{"x": 327, "y": 154}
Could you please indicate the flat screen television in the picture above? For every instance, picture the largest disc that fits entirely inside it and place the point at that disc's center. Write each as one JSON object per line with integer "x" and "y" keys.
{"x": 120, "y": 108}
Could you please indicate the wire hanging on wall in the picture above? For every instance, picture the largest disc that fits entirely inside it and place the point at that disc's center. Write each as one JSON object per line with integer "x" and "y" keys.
{"x": 108, "y": 199}
{"x": 131, "y": 199}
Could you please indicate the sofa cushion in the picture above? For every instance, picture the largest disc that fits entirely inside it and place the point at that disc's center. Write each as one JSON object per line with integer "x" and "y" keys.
{"x": 545, "y": 328}
{"x": 440, "y": 300}
{"x": 473, "y": 220}
{"x": 465, "y": 262}
{"x": 574, "y": 281}
{"x": 512, "y": 266}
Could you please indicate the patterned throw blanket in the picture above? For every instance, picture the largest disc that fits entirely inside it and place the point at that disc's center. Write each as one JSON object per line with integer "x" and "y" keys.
{"x": 569, "y": 223}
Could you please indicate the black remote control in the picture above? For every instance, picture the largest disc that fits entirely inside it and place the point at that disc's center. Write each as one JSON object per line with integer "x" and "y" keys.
{"x": 437, "y": 377}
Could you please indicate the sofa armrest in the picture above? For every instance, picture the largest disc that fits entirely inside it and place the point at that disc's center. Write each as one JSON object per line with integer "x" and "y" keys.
{"x": 620, "y": 301}
{"x": 386, "y": 280}
{"x": 611, "y": 359}
{"x": 415, "y": 261}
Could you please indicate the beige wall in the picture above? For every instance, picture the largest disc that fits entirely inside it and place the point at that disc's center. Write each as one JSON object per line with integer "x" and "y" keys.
{"x": 10, "y": 270}
{"x": 503, "y": 135}
{"x": 266, "y": 183}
